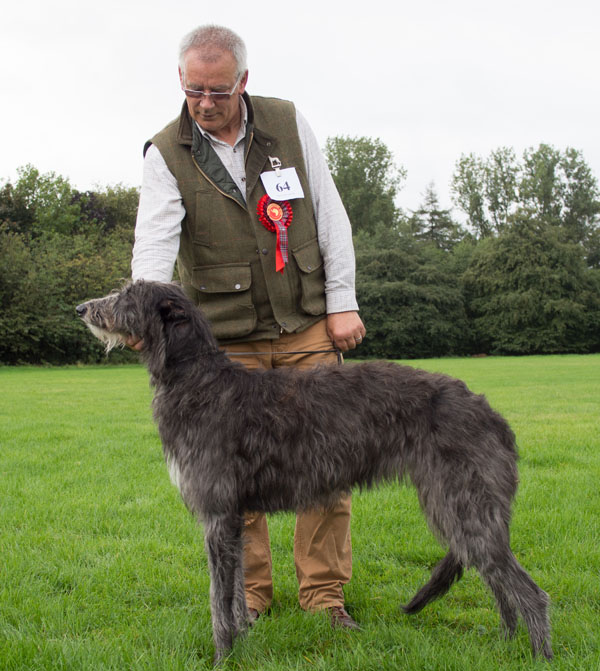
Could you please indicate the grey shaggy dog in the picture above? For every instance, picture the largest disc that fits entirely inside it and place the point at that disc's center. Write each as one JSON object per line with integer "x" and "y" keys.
{"x": 238, "y": 440}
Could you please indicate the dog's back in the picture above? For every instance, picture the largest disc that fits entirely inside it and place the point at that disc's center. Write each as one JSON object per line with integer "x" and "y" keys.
{"x": 306, "y": 436}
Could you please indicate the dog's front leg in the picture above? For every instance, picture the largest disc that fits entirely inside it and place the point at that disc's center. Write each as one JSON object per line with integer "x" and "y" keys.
{"x": 239, "y": 607}
{"x": 223, "y": 541}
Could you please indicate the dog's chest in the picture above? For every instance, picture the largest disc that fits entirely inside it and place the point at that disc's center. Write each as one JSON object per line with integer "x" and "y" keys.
{"x": 174, "y": 471}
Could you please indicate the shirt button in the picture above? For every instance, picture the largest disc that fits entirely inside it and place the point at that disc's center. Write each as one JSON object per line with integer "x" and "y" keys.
{"x": 265, "y": 251}
{"x": 238, "y": 286}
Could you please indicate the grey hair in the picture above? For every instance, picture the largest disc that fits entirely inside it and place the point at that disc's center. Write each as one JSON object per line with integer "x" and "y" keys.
{"x": 215, "y": 37}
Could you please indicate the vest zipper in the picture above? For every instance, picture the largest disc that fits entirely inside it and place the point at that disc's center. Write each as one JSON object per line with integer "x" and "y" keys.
{"x": 248, "y": 147}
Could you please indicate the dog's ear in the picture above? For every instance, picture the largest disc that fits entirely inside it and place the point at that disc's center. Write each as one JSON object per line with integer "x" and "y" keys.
{"x": 172, "y": 311}
{"x": 178, "y": 340}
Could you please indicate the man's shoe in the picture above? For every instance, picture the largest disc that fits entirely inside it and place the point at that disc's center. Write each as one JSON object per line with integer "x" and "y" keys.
{"x": 340, "y": 618}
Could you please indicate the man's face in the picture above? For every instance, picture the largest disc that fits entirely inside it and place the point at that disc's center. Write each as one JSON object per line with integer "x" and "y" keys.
{"x": 213, "y": 71}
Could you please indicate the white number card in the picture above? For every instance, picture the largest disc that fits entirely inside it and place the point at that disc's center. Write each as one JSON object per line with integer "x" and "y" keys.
{"x": 282, "y": 184}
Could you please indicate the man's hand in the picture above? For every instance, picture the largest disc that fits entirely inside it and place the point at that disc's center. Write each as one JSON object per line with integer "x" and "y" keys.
{"x": 345, "y": 329}
{"x": 134, "y": 343}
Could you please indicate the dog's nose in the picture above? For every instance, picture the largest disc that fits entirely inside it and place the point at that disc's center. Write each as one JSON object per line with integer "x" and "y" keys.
{"x": 81, "y": 309}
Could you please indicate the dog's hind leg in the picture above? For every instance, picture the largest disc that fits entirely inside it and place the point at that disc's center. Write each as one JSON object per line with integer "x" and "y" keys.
{"x": 506, "y": 606}
{"x": 514, "y": 590}
{"x": 223, "y": 542}
{"x": 448, "y": 571}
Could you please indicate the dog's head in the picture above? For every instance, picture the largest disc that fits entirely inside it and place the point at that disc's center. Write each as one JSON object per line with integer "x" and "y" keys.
{"x": 100, "y": 317}
{"x": 160, "y": 314}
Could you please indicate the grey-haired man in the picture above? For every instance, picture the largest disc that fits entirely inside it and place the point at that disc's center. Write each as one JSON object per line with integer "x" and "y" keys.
{"x": 272, "y": 280}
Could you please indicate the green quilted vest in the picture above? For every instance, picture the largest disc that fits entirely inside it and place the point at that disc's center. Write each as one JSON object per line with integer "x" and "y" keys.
{"x": 226, "y": 256}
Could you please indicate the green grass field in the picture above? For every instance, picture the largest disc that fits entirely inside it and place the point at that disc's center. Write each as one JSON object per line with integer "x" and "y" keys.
{"x": 101, "y": 567}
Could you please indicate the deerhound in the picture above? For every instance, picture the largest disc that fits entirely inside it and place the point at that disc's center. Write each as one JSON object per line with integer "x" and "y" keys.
{"x": 236, "y": 440}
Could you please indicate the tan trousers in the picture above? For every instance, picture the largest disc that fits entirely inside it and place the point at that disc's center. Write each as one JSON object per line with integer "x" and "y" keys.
{"x": 322, "y": 544}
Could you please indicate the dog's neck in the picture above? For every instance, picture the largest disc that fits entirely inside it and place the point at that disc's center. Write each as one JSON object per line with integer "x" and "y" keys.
{"x": 186, "y": 344}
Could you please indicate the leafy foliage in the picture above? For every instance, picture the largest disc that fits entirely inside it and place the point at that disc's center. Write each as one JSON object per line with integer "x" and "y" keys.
{"x": 430, "y": 223}
{"x": 555, "y": 187}
{"x": 53, "y": 255}
{"x": 410, "y": 298}
{"x": 523, "y": 284}
{"x": 39, "y": 203}
{"x": 364, "y": 172}
{"x": 529, "y": 291}
{"x": 526, "y": 279}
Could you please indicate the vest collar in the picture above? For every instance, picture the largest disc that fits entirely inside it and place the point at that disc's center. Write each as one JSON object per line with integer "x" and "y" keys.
{"x": 262, "y": 145}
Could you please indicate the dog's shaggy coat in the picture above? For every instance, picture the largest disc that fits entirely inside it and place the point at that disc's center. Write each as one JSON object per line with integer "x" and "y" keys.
{"x": 238, "y": 440}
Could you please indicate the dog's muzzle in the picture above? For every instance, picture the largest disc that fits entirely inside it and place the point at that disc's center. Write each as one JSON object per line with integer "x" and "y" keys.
{"x": 81, "y": 309}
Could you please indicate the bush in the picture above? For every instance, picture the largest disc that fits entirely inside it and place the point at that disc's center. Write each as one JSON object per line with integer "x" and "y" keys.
{"x": 529, "y": 292}
{"x": 411, "y": 303}
{"x": 41, "y": 282}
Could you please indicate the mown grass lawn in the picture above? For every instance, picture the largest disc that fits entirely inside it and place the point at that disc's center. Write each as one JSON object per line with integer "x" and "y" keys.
{"x": 102, "y": 568}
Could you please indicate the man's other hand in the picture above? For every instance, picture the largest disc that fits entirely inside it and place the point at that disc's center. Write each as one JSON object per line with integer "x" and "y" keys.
{"x": 345, "y": 329}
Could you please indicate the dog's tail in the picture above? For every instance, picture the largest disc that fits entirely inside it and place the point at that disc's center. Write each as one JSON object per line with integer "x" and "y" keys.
{"x": 448, "y": 571}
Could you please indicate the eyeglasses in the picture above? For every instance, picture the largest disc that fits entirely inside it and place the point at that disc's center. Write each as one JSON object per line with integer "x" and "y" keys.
{"x": 216, "y": 96}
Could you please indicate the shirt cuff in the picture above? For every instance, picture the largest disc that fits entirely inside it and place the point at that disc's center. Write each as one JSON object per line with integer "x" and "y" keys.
{"x": 341, "y": 301}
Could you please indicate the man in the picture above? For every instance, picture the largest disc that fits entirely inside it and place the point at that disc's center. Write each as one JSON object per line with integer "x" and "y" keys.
{"x": 275, "y": 277}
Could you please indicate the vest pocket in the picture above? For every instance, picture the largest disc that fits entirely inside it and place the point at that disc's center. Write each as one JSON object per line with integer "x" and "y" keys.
{"x": 312, "y": 277}
{"x": 225, "y": 298}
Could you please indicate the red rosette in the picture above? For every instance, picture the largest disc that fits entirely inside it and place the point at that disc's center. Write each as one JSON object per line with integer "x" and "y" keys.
{"x": 276, "y": 216}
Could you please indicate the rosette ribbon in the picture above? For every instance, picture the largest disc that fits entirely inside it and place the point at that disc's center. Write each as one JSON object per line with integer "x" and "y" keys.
{"x": 276, "y": 216}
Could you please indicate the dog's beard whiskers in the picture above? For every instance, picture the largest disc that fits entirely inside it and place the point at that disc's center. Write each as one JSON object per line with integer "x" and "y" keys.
{"x": 110, "y": 339}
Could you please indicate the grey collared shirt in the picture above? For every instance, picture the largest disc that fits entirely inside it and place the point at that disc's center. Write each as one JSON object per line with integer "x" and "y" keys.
{"x": 161, "y": 211}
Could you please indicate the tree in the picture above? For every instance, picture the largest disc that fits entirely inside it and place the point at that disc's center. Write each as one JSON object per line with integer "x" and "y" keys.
{"x": 528, "y": 291}
{"x": 468, "y": 193}
{"x": 57, "y": 248}
{"x": 540, "y": 188}
{"x": 41, "y": 280}
{"x": 432, "y": 224}
{"x": 367, "y": 179}
{"x": 14, "y": 213}
{"x": 501, "y": 184}
{"x": 112, "y": 209}
{"x": 410, "y": 298}
{"x": 555, "y": 187}
{"x": 486, "y": 190}
{"x": 581, "y": 200}
{"x": 46, "y": 198}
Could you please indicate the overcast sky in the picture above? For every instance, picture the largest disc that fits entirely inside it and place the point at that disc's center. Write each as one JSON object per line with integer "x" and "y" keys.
{"x": 84, "y": 84}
